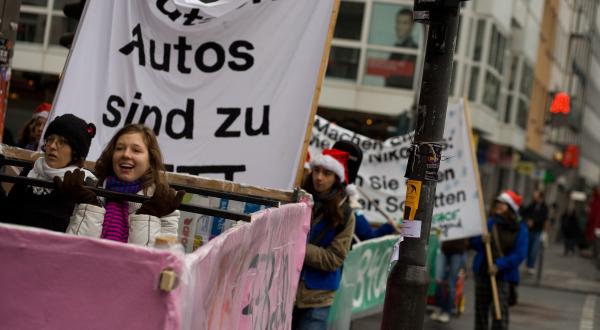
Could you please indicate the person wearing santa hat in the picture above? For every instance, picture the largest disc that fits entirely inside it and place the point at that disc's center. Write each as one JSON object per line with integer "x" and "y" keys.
{"x": 329, "y": 239}
{"x": 508, "y": 237}
{"x": 31, "y": 133}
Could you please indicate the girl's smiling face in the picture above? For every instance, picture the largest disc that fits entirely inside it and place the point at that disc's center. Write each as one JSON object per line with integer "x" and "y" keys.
{"x": 130, "y": 160}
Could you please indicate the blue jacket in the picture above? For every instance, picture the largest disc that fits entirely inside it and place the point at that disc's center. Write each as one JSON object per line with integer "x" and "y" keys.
{"x": 364, "y": 231}
{"x": 318, "y": 279}
{"x": 508, "y": 265}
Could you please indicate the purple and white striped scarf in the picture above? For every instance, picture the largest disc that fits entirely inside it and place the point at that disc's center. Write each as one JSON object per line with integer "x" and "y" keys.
{"x": 116, "y": 219}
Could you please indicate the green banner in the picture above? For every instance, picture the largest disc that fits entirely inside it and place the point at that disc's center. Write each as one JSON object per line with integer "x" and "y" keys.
{"x": 364, "y": 279}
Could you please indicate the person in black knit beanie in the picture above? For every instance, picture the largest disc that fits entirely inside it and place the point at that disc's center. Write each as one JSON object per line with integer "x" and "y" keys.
{"x": 67, "y": 141}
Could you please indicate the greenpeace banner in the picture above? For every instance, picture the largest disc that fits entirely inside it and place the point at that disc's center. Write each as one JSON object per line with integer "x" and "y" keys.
{"x": 245, "y": 278}
{"x": 227, "y": 86}
{"x": 381, "y": 175}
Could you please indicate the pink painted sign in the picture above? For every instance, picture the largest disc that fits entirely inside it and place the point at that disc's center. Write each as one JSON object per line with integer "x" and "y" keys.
{"x": 246, "y": 278}
{"x": 55, "y": 281}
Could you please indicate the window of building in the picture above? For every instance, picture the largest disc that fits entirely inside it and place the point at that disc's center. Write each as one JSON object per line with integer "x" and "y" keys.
{"x": 457, "y": 44}
{"x": 393, "y": 43}
{"x": 512, "y": 75}
{"x": 59, "y": 26}
{"x": 453, "y": 76}
{"x": 386, "y": 54}
{"x": 392, "y": 25}
{"x": 522, "y": 112}
{"x": 480, "y": 31}
{"x": 508, "y": 110}
{"x": 59, "y": 4}
{"x": 491, "y": 91}
{"x": 38, "y": 15}
{"x": 486, "y": 82}
{"x": 343, "y": 63}
{"x": 350, "y": 20}
{"x": 31, "y": 27}
{"x": 497, "y": 48}
{"x": 526, "y": 80}
{"x": 473, "y": 82}
{"x": 389, "y": 69}
{"x": 519, "y": 91}
{"x": 34, "y": 2}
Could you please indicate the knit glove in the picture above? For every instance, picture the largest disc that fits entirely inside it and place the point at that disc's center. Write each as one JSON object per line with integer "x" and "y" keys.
{"x": 163, "y": 202}
{"x": 71, "y": 186}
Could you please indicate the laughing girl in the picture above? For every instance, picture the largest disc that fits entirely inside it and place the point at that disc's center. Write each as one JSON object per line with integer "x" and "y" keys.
{"x": 131, "y": 163}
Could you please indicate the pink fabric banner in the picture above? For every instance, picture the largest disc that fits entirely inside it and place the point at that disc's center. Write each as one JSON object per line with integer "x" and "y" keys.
{"x": 55, "y": 281}
{"x": 246, "y": 278}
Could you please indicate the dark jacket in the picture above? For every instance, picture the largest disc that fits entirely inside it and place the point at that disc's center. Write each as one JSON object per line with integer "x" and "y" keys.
{"x": 538, "y": 213}
{"x": 23, "y": 207}
{"x": 508, "y": 264}
{"x": 456, "y": 246}
{"x": 570, "y": 225}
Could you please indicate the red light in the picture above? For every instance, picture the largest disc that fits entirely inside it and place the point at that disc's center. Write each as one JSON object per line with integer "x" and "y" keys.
{"x": 560, "y": 104}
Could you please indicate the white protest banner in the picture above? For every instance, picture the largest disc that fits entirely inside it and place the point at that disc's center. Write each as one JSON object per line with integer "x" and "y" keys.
{"x": 227, "y": 86}
{"x": 381, "y": 175}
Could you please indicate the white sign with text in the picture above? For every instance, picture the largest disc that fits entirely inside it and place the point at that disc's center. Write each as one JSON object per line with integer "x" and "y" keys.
{"x": 226, "y": 86}
{"x": 381, "y": 175}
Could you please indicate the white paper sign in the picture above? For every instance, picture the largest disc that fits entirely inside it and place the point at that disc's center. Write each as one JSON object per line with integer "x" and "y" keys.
{"x": 411, "y": 228}
{"x": 381, "y": 175}
{"x": 227, "y": 86}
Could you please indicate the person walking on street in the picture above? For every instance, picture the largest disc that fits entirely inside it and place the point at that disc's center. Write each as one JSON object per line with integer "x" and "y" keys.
{"x": 508, "y": 237}
{"x": 569, "y": 226}
{"x": 536, "y": 217}
{"x": 593, "y": 221}
{"x": 329, "y": 239}
{"x": 454, "y": 257}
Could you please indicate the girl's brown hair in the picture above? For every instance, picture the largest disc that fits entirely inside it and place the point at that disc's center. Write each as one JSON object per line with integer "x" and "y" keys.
{"x": 332, "y": 211}
{"x": 155, "y": 174}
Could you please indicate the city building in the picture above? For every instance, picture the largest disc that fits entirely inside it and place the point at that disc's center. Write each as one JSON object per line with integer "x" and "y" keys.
{"x": 511, "y": 59}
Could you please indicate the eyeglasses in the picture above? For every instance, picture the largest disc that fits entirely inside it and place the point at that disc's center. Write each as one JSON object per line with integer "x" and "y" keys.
{"x": 59, "y": 141}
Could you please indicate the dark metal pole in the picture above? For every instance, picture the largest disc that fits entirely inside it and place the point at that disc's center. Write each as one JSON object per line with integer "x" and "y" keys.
{"x": 405, "y": 298}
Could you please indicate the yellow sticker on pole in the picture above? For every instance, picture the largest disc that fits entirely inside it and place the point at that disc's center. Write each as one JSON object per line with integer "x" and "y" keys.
{"x": 413, "y": 192}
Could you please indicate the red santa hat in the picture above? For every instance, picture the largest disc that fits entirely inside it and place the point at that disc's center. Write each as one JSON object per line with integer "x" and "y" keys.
{"x": 334, "y": 160}
{"x": 511, "y": 198}
{"x": 42, "y": 110}
{"x": 307, "y": 160}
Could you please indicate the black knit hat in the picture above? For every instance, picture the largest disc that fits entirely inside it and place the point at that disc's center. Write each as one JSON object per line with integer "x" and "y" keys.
{"x": 78, "y": 133}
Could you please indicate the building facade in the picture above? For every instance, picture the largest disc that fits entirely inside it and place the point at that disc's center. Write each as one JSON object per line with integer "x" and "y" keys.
{"x": 511, "y": 58}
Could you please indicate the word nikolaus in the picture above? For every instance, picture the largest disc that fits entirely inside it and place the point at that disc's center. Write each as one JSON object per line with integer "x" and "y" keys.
{"x": 238, "y": 52}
